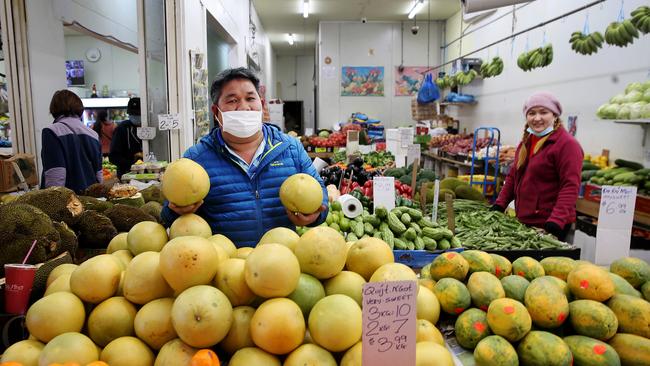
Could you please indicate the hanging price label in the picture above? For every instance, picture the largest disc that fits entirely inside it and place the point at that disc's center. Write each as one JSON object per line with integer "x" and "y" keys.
{"x": 169, "y": 121}
{"x": 146, "y": 133}
{"x": 389, "y": 316}
{"x": 383, "y": 192}
{"x": 414, "y": 153}
{"x": 436, "y": 192}
{"x": 615, "y": 220}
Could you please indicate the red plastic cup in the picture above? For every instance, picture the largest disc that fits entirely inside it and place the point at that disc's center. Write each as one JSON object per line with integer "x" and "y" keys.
{"x": 19, "y": 279}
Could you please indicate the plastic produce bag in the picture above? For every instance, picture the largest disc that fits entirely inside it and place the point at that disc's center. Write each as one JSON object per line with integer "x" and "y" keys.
{"x": 429, "y": 91}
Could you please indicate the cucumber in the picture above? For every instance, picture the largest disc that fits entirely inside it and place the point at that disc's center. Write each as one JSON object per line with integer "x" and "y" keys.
{"x": 588, "y": 174}
{"x": 628, "y": 164}
{"x": 586, "y": 165}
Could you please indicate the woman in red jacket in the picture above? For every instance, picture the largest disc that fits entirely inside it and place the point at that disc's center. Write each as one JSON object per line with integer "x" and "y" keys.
{"x": 545, "y": 178}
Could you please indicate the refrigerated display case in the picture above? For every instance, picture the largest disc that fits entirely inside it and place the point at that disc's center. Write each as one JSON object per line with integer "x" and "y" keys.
{"x": 114, "y": 107}
{"x": 5, "y": 128}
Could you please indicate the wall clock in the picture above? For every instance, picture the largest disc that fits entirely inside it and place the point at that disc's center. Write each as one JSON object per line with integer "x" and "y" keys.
{"x": 93, "y": 54}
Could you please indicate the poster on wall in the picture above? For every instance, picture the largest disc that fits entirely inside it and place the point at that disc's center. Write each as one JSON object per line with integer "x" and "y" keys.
{"x": 200, "y": 99}
{"x": 407, "y": 81}
{"x": 362, "y": 81}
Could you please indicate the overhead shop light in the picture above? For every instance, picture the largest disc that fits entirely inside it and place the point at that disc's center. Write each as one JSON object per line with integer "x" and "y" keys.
{"x": 290, "y": 39}
{"x": 415, "y": 8}
{"x": 305, "y": 9}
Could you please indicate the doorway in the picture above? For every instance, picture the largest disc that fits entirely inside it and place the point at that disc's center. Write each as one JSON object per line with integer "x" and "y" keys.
{"x": 217, "y": 53}
{"x": 293, "y": 116}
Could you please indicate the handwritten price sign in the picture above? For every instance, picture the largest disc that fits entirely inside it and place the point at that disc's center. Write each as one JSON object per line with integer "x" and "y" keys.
{"x": 169, "y": 121}
{"x": 615, "y": 220}
{"x": 389, "y": 316}
{"x": 383, "y": 189}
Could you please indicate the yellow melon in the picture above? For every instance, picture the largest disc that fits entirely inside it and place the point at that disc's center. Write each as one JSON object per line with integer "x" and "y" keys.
{"x": 111, "y": 319}
{"x": 188, "y": 261}
{"x": 239, "y": 335}
{"x": 230, "y": 279}
{"x": 190, "y": 225}
{"x": 272, "y": 270}
{"x": 301, "y": 193}
{"x": 278, "y": 326}
{"x": 280, "y": 235}
{"x": 225, "y": 243}
{"x": 146, "y": 236}
{"x": 253, "y": 356}
{"x": 185, "y": 182}
{"x": 127, "y": 351}
{"x": 368, "y": 254}
{"x": 335, "y": 323}
{"x": 55, "y": 314}
{"x": 153, "y": 323}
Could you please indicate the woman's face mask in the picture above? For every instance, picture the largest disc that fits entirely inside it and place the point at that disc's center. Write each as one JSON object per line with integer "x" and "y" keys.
{"x": 241, "y": 124}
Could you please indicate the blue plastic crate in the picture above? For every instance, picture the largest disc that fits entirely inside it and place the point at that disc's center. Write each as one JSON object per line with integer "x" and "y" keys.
{"x": 417, "y": 259}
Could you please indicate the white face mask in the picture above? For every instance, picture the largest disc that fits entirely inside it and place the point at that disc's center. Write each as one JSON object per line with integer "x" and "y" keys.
{"x": 546, "y": 131}
{"x": 241, "y": 123}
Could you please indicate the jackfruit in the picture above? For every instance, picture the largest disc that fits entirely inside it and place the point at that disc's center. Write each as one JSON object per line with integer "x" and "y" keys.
{"x": 68, "y": 240}
{"x": 469, "y": 193}
{"x": 124, "y": 217}
{"x": 153, "y": 193}
{"x": 443, "y": 192}
{"x": 92, "y": 203}
{"x": 153, "y": 208}
{"x": 450, "y": 183}
{"x": 20, "y": 225}
{"x": 95, "y": 230}
{"x": 136, "y": 200}
{"x": 59, "y": 203}
{"x": 99, "y": 190}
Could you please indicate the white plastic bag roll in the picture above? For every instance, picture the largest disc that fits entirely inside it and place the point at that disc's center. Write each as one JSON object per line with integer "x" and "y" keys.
{"x": 350, "y": 206}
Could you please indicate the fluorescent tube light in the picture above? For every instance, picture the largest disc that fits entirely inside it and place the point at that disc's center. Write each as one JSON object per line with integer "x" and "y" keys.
{"x": 417, "y": 6}
{"x": 290, "y": 39}
{"x": 305, "y": 9}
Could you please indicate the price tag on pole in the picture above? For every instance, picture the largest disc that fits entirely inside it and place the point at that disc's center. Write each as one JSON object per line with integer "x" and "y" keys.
{"x": 146, "y": 133}
{"x": 389, "y": 317}
{"x": 169, "y": 121}
{"x": 615, "y": 220}
{"x": 436, "y": 191}
{"x": 383, "y": 192}
{"x": 414, "y": 176}
{"x": 352, "y": 143}
{"x": 413, "y": 153}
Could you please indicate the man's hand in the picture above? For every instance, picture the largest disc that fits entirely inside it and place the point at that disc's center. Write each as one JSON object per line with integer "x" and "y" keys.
{"x": 182, "y": 210}
{"x": 300, "y": 219}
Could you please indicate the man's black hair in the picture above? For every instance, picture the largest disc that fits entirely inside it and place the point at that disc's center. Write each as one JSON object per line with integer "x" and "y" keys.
{"x": 228, "y": 75}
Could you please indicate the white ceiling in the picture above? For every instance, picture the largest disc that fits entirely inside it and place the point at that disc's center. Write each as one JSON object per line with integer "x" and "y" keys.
{"x": 280, "y": 17}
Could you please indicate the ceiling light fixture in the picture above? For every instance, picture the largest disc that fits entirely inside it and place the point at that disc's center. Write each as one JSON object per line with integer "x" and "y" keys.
{"x": 415, "y": 8}
{"x": 305, "y": 9}
{"x": 290, "y": 39}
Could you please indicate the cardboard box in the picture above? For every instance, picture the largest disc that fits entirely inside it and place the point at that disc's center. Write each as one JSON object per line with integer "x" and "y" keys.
{"x": 17, "y": 172}
{"x": 423, "y": 112}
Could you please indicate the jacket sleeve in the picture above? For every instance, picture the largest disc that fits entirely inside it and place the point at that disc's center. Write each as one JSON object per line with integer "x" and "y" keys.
{"x": 98, "y": 163}
{"x": 54, "y": 167}
{"x": 569, "y": 167}
{"x": 119, "y": 154}
{"x": 507, "y": 193}
{"x": 308, "y": 168}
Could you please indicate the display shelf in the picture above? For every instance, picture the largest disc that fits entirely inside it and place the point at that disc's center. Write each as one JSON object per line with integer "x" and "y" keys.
{"x": 446, "y": 160}
{"x": 591, "y": 208}
{"x": 644, "y": 123}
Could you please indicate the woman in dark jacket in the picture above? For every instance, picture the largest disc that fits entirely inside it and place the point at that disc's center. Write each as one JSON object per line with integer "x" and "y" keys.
{"x": 71, "y": 152}
{"x": 545, "y": 178}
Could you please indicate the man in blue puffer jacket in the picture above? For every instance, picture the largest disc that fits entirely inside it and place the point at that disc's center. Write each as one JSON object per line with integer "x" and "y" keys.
{"x": 247, "y": 161}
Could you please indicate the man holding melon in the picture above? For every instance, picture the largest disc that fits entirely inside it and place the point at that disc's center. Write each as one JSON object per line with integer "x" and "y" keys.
{"x": 247, "y": 161}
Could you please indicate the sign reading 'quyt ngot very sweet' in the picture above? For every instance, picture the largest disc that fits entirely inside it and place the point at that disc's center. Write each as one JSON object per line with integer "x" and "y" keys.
{"x": 389, "y": 320}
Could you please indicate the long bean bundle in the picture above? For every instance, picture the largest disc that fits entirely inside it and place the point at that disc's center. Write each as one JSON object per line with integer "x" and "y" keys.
{"x": 478, "y": 227}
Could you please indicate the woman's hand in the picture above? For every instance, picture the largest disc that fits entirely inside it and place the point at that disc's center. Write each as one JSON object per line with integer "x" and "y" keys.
{"x": 300, "y": 219}
{"x": 182, "y": 210}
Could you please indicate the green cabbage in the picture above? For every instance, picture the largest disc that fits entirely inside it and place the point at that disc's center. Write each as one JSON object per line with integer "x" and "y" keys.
{"x": 645, "y": 111}
{"x": 618, "y": 99}
{"x": 623, "y": 112}
{"x": 634, "y": 87}
{"x": 611, "y": 111}
{"x": 646, "y": 95}
{"x": 600, "y": 112}
{"x": 633, "y": 96}
{"x": 636, "y": 110}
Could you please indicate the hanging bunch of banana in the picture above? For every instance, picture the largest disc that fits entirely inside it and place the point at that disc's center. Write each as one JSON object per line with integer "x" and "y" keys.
{"x": 539, "y": 57}
{"x": 465, "y": 77}
{"x": 586, "y": 44}
{"x": 641, "y": 19}
{"x": 492, "y": 68}
{"x": 446, "y": 82}
{"x": 621, "y": 34}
